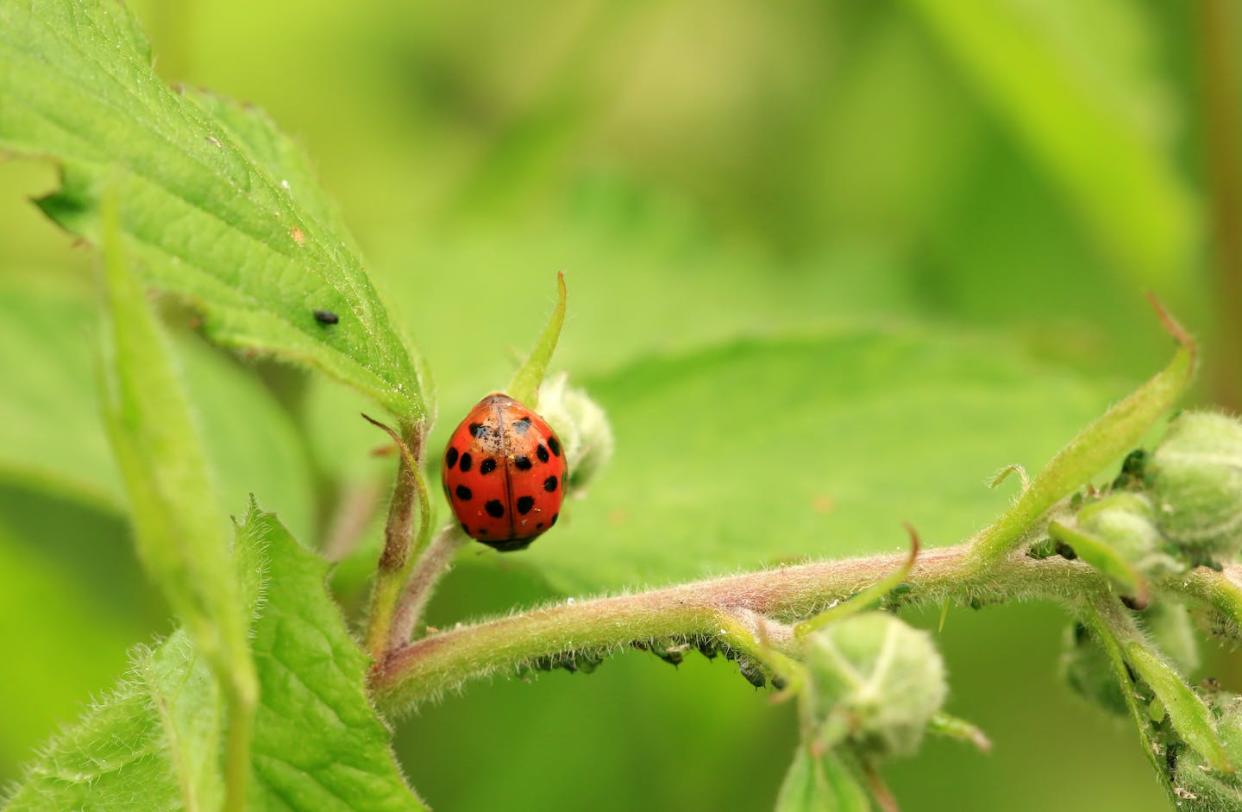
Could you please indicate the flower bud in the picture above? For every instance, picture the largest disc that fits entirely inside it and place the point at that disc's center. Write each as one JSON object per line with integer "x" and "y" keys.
{"x": 582, "y": 426}
{"x": 1086, "y": 668}
{"x": 1125, "y": 520}
{"x": 876, "y": 680}
{"x": 1195, "y": 478}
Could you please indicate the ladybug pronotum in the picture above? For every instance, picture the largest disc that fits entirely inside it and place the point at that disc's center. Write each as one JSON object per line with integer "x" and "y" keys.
{"x": 504, "y": 474}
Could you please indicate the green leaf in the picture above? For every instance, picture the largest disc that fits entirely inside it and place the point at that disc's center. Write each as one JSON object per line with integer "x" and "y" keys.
{"x": 218, "y": 207}
{"x": 768, "y": 451}
{"x": 151, "y": 744}
{"x": 51, "y": 435}
{"x": 317, "y": 742}
{"x": 1106, "y": 438}
{"x": 823, "y": 784}
{"x": 177, "y": 519}
{"x": 524, "y": 388}
{"x": 1041, "y": 67}
{"x": 1190, "y": 716}
{"x": 1099, "y": 554}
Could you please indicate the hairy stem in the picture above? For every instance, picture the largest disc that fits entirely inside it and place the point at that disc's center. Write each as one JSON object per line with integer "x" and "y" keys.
{"x": 398, "y": 555}
{"x": 426, "y": 668}
{"x": 1220, "y": 590}
{"x": 1114, "y": 628}
{"x": 242, "y": 695}
{"x": 432, "y": 565}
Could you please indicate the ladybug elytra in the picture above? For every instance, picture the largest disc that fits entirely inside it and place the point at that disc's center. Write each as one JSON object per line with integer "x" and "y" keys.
{"x": 504, "y": 473}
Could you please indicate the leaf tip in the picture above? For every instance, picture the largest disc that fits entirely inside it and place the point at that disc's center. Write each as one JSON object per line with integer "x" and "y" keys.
{"x": 1173, "y": 327}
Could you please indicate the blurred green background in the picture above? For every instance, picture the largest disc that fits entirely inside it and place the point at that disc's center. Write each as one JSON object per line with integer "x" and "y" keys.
{"x": 1009, "y": 174}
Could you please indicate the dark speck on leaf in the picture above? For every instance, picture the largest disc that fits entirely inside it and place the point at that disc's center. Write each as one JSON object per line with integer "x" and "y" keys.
{"x": 326, "y": 317}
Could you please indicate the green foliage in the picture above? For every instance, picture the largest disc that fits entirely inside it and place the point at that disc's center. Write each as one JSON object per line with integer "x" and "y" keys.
{"x": 1034, "y": 64}
{"x": 250, "y": 247}
{"x": 1202, "y": 790}
{"x": 178, "y": 523}
{"x": 51, "y": 435}
{"x": 318, "y": 744}
{"x": 1187, "y": 712}
{"x": 1125, "y": 521}
{"x": 849, "y": 179}
{"x": 1106, "y": 439}
{"x": 821, "y": 784}
{"x": 524, "y": 388}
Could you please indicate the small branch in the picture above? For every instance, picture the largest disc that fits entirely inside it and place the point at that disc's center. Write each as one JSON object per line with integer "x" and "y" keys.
{"x": 397, "y": 556}
{"x": 869, "y": 596}
{"x": 427, "y": 668}
{"x": 431, "y": 566}
{"x": 1220, "y": 590}
{"x": 1114, "y": 628}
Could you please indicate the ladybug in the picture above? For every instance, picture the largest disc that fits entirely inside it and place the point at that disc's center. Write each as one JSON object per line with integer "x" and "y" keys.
{"x": 504, "y": 474}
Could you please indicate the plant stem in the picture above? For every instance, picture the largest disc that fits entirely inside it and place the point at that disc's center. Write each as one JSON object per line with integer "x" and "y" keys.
{"x": 1220, "y": 590}
{"x": 242, "y": 695}
{"x": 427, "y": 668}
{"x": 1113, "y": 627}
{"x": 1222, "y": 132}
{"x": 433, "y": 564}
{"x": 397, "y": 556}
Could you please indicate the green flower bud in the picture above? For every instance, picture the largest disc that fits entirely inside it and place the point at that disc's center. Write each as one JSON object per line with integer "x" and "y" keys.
{"x": 1169, "y": 626}
{"x": 875, "y": 683}
{"x": 1198, "y": 788}
{"x": 1086, "y": 668}
{"x": 1125, "y": 520}
{"x": 582, "y": 426}
{"x": 1195, "y": 478}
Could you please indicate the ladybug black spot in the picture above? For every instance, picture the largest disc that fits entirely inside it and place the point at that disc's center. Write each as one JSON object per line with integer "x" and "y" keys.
{"x": 542, "y": 454}
{"x": 450, "y": 457}
{"x": 477, "y": 430}
{"x": 494, "y": 508}
{"x": 466, "y": 462}
{"x": 465, "y": 528}
{"x": 487, "y": 466}
{"x": 524, "y": 504}
{"x": 326, "y": 317}
{"x": 522, "y": 463}
{"x": 555, "y": 446}
{"x": 538, "y": 525}
{"x": 552, "y": 521}
{"x": 549, "y": 484}
{"x": 464, "y": 493}
{"x": 521, "y": 426}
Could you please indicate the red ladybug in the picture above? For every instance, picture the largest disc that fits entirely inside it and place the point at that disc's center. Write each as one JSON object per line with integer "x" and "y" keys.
{"x": 504, "y": 473}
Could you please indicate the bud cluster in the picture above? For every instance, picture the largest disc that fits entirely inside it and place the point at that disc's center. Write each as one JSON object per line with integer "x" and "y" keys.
{"x": 875, "y": 684}
{"x": 1174, "y": 508}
